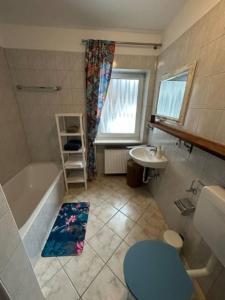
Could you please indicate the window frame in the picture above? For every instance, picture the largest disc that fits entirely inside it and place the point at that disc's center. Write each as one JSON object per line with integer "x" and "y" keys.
{"x": 136, "y": 136}
{"x": 191, "y": 72}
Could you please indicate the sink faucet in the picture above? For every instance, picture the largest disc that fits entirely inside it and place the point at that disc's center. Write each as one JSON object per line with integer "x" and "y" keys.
{"x": 152, "y": 148}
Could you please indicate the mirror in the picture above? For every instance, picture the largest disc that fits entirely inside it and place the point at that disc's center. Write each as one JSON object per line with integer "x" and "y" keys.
{"x": 174, "y": 93}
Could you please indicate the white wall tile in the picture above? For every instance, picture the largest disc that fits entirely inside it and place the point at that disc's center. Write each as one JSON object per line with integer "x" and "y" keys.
{"x": 14, "y": 153}
{"x": 8, "y": 245}
{"x": 3, "y": 204}
{"x": 66, "y": 69}
{"x": 208, "y": 123}
{"x": 205, "y": 43}
{"x": 18, "y": 276}
{"x": 16, "y": 272}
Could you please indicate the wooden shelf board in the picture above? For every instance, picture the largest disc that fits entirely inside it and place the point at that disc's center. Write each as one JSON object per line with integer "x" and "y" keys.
{"x": 74, "y": 168}
{"x": 64, "y": 133}
{"x": 74, "y": 164}
{"x": 69, "y": 115}
{"x": 202, "y": 143}
{"x": 80, "y": 151}
{"x": 75, "y": 179}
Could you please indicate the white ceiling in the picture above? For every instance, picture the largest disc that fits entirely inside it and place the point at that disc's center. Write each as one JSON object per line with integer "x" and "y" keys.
{"x": 139, "y": 15}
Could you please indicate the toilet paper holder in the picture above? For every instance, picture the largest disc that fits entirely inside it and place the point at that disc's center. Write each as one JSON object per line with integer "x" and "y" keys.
{"x": 184, "y": 206}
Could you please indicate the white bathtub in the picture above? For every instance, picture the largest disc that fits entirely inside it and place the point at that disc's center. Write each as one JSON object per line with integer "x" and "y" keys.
{"x": 34, "y": 196}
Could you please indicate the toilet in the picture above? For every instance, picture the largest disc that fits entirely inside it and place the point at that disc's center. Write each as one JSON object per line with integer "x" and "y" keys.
{"x": 153, "y": 269}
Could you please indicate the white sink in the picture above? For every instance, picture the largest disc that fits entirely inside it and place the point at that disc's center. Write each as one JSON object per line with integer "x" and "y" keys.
{"x": 143, "y": 156}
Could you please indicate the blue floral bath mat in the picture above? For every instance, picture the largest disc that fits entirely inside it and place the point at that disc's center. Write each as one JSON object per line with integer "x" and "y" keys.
{"x": 68, "y": 232}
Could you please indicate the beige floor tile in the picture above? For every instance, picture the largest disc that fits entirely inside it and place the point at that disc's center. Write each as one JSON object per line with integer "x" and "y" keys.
{"x": 106, "y": 287}
{"x": 152, "y": 218}
{"x": 121, "y": 224}
{"x": 104, "y": 212}
{"x": 46, "y": 268}
{"x": 106, "y": 195}
{"x": 72, "y": 199}
{"x": 105, "y": 242}
{"x": 60, "y": 287}
{"x": 106, "y": 192}
{"x": 93, "y": 226}
{"x": 74, "y": 195}
{"x": 117, "y": 201}
{"x": 114, "y": 210}
{"x": 64, "y": 259}
{"x": 138, "y": 233}
{"x": 92, "y": 208}
{"x": 141, "y": 201}
{"x": 96, "y": 200}
{"x": 132, "y": 211}
{"x": 116, "y": 261}
{"x": 83, "y": 269}
{"x": 121, "y": 190}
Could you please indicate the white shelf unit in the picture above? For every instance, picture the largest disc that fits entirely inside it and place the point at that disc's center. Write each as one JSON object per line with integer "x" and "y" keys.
{"x": 73, "y": 161}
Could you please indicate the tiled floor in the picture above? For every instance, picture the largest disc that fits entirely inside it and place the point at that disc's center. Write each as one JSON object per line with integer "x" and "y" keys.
{"x": 119, "y": 216}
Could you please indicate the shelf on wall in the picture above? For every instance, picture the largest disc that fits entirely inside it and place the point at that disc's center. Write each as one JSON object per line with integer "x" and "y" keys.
{"x": 77, "y": 177}
{"x": 73, "y": 162}
{"x": 74, "y": 151}
{"x": 202, "y": 143}
{"x": 64, "y": 133}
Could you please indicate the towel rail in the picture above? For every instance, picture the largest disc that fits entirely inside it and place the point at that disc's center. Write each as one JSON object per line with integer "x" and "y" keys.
{"x": 38, "y": 88}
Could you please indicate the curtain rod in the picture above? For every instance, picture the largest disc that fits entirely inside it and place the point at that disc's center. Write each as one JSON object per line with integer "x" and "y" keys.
{"x": 153, "y": 45}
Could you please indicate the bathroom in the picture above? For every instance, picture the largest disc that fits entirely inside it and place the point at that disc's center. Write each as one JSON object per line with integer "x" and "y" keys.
{"x": 43, "y": 64}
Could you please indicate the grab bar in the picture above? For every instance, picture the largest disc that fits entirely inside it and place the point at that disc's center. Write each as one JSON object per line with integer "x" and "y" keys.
{"x": 39, "y": 88}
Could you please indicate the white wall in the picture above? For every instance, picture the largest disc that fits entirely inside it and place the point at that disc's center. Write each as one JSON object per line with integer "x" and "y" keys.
{"x": 192, "y": 11}
{"x": 1, "y": 36}
{"x": 62, "y": 39}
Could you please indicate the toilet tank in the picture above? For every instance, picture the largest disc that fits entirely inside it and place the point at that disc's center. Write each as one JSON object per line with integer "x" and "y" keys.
{"x": 209, "y": 219}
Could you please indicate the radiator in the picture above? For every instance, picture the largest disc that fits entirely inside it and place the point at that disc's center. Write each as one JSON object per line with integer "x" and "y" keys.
{"x": 116, "y": 161}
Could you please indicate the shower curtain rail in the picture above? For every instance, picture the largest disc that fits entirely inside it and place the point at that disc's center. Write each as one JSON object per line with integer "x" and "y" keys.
{"x": 134, "y": 44}
{"x": 39, "y": 88}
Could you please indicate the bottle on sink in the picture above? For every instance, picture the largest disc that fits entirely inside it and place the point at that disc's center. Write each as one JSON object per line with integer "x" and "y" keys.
{"x": 158, "y": 152}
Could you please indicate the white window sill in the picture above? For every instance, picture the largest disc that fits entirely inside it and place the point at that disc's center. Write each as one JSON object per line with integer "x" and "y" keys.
{"x": 116, "y": 142}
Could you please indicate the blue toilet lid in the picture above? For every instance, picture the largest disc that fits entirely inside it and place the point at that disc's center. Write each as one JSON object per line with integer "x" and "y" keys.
{"x": 153, "y": 271}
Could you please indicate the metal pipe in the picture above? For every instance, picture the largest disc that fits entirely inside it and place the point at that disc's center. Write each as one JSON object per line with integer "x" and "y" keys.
{"x": 207, "y": 270}
{"x": 39, "y": 88}
{"x": 145, "y": 175}
{"x": 134, "y": 44}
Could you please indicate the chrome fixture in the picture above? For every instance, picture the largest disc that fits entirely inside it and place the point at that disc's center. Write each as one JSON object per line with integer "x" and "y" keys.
{"x": 184, "y": 206}
{"x": 152, "y": 148}
{"x": 39, "y": 88}
{"x": 188, "y": 146}
{"x": 149, "y": 174}
{"x": 134, "y": 44}
{"x": 194, "y": 190}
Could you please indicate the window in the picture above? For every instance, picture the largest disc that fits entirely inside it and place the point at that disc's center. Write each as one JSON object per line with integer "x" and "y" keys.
{"x": 122, "y": 111}
{"x": 174, "y": 94}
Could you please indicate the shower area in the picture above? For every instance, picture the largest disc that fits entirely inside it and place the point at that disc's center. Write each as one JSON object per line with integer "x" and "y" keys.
{"x": 31, "y": 179}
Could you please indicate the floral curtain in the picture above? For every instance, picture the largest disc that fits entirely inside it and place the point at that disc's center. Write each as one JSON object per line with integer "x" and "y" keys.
{"x": 99, "y": 59}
